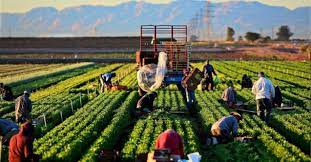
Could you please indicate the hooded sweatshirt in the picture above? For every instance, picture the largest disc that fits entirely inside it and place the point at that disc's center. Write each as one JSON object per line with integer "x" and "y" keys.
{"x": 21, "y": 148}
{"x": 170, "y": 139}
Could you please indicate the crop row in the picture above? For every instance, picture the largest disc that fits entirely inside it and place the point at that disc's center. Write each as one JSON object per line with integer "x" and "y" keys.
{"x": 81, "y": 113}
{"x": 44, "y": 81}
{"x": 51, "y": 111}
{"x": 6, "y": 107}
{"x": 291, "y": 67}
{"x": 143, "y": 137}
{"x": 72, "y": 82}
{"x": 122, "y": 74}
{"x": 295, "y": 127}
{"x": 279, "y": 76}
{"x": 298, "y": 72}
{"x": 230, "y": 71}
{"x": 12, "y": 70}
{"x": 170, "y": 100}
{"x": 297, "y": 136}
{"x": 12, "y": 67}
{"x": 210, "y": 110}
{"x": 67, "y": 140}
{"x": 130, "y": 80}
{"x": 27, "y": 77}
{"x": 111, "y": 134}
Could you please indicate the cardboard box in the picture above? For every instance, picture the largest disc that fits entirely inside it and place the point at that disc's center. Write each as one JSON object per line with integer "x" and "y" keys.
{"x": 193, "y": 79}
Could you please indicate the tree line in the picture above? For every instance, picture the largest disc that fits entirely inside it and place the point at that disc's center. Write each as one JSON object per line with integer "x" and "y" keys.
{"x": 283, "y": 34}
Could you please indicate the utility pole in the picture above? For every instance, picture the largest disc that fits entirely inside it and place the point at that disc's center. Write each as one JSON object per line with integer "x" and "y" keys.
{"x": 202, "y": 22}
{"x": 196, "y": 24}
{"x": 208, "y": 21}
{"x": 272, "y": 33}
{"x": 261, "y": 33}
{"x": 201, "y": 25}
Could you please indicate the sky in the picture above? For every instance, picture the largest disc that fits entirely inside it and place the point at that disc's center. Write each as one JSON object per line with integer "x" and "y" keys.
{"x": 20, "y": 6}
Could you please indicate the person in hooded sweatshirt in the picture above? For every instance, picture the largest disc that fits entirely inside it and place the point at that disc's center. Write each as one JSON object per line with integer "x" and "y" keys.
{"x": 21, "y": 145}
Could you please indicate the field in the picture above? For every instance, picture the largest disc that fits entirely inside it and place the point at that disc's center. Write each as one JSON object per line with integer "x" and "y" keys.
{"x": 76, "y": 124}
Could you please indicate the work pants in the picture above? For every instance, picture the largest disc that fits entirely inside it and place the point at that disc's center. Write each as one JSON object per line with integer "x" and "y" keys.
{"x": 207, "y": 83}
{"x": 102, "y": 85}
{"x": 223, "y": 136}
{"x": 190, "y": 96}
{"x": 264, "y": 107}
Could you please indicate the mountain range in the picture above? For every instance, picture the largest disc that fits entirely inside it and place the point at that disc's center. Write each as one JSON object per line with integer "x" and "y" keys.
{"x": 126, "y": 18}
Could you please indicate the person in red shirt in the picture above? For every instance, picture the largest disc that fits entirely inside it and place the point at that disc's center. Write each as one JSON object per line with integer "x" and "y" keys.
{"x": 170, "y": 139}
{"x": 21, "y": 145}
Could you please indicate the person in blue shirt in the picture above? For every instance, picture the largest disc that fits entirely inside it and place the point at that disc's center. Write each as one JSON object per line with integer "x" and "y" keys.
{"x": 7, "y": 129}
{"x": 225, "y": 129}
{"x": 105, "y": 81}
{"x": 208, "y": 71}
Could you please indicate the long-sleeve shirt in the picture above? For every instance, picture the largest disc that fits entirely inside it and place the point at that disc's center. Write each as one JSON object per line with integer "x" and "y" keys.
{"x": 171, "y": 140}
{"x": 6, "y": 126}
{"x": 107, "y": 77}
{"x": 23, "y": 107}
{"x": 263, "y": 88}
{"x": 21, "y": 147}
{"x": 208, "y": 70}
{"x": 229, "y": 123}
{"x": 146, "y": 101}
{"x": 229, "y": 95}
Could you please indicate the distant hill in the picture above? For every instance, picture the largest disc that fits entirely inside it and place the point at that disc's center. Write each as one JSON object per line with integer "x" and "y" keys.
{"x": 125, "y": 19}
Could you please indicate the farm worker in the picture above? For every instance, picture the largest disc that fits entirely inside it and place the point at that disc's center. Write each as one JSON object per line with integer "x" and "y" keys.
{"x": 6, "y": 92}
{"x": 277, "y": 100}
{"x": 208, "y": 71}
{"x": 21, "y": 145}
{"x": 7, "y": 129}
{"x": 171, "y": 140}
{"x": 264, "y": 92}
{"x": 221, "y": 130}
{"x": 145, "y": 103}
{"x": 229, "y": 95}
{"x": 23, "y": 108}
{"x": 105, "y": 81}
{"x": 246, "y": 82}
{"x": 188, "y": 92}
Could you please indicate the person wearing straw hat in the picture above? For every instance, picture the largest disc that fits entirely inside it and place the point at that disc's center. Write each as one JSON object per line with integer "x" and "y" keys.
{"x": 23, "y": 108}
{"x": 226, "y": 128}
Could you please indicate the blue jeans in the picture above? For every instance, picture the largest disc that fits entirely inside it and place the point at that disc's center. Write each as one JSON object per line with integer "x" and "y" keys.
{"x": 190, "y": 98}
{"x": 264, "y": 107}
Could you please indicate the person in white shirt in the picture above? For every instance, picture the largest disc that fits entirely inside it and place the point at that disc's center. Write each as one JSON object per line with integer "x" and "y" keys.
{"x": 264, "y": 92}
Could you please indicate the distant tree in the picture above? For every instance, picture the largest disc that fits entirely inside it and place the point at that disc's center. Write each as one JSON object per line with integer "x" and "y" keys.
{"x": 267, "y": 38}
{"x": 230, "y": 33}
{"x": 193, "y": 38}
{"x": 284, "y": 33}
{"x": 240, "y": 38}
{"x": 250, "y": 36}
